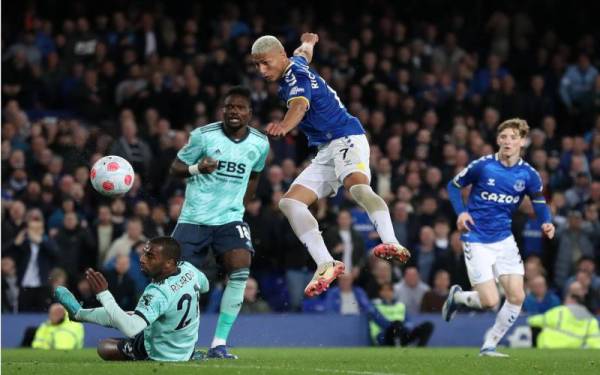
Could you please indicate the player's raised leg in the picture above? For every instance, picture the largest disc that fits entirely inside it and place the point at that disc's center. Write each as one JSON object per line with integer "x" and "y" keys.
{"x": 357, "y": 184}
{"x": 294, "y": 206}
{"x": 237, "y": 265}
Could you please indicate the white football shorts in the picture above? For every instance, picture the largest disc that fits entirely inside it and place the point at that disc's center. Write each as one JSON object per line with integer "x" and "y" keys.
{"x": 488, "y": 261}
{"x": 333, "y": 162}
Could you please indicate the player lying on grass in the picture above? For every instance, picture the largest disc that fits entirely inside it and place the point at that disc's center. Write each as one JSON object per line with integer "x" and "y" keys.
{"x": 164, "y": 325}
{"x": 342, "y": 159}
{"x": 499, "y": 184}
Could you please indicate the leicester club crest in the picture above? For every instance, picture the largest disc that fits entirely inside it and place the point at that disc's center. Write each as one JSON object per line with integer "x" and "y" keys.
{"x": 519, "y": 185}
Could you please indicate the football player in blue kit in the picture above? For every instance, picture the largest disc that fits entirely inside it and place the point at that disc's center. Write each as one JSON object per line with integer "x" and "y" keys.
{"x": 342, "y": 158}
{"x": 499, "y": 183}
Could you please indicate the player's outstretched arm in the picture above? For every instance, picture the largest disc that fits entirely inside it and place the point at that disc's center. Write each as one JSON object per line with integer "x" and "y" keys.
{"x": 308, "y": 44}
{"x": 292, "y": 118}
{"x": 129, "y": 325}
{"x": 182, "y": 170}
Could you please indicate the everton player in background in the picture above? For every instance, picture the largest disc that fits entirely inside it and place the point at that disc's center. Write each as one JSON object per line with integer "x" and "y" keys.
{"x": 499, "y": 183}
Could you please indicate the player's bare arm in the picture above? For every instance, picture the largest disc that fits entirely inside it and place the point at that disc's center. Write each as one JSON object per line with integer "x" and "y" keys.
{"x": 205, "y": 165}
{"x": 251, "y": 189}
{"x": 292, "y": 118}
{"x": 306, "y": 48}
{"x": 464, "y": 222}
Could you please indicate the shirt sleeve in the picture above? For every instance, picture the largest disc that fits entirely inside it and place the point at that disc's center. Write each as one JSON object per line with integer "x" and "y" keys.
{"x": 152, "y": 304}
{"x": 193, "y": 151}
{"x": 300, "y": 59}
{"x": 535, "y": 187}
{"x": 468, "y": 175}
{"x": 204, "y": 284}
{"x": 260, "y": 163}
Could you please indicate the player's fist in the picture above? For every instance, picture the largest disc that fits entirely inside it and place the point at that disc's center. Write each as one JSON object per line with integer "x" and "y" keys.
{"x": 275, "y": 129}
{"x": 97, "y": 281}
{"x": 309, "y": 38}
{"x": 207, "y": 165}
{"x": 464, "y": 222}
{"x": 548, "y": 229}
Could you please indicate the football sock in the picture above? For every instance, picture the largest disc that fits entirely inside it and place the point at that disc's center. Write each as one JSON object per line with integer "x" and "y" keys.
{"x": 231, "y": 303}
{"x": 306, "y": 228}
{"x": 469, "y": 299}
{"x": 377, "y": 209}
{"x": 506, "y": 317}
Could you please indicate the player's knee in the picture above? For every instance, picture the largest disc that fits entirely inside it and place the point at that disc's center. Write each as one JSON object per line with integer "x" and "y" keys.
{"x": 286, "y": 205}
{"x": 103, "y": 350}
{"x": 366, "y": 197}
{"x": 489, "y": 302}
{"x": 516, "y": 297}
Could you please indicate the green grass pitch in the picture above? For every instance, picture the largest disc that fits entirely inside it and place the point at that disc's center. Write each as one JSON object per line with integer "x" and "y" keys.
{"x": 354, "y": 361}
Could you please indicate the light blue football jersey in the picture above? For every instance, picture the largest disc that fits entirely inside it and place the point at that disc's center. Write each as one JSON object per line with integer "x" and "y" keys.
{"x": 327, "y": 118}
{"x": 171, "y": 309}
{"x": 496, "y": 192}
{"x": 217, "y": 198}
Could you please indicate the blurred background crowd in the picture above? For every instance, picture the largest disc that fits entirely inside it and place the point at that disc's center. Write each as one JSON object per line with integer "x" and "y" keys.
{"x": 429, "y": 80}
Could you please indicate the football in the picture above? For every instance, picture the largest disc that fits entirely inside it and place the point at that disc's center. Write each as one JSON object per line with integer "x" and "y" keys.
{"x": 112, "y": 176}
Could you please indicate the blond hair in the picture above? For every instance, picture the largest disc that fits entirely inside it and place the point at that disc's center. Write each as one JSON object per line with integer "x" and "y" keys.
{"x": 517, "y": 124}
{"x": 266, "y": 43}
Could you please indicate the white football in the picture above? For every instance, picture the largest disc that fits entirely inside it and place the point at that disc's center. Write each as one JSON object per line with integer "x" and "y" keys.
{"x": 112, "y": 176}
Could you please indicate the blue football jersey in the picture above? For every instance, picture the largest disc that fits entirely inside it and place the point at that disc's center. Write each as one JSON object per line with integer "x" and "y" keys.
{"x": 496, "y": 193}
{"x": 326, "y": 118}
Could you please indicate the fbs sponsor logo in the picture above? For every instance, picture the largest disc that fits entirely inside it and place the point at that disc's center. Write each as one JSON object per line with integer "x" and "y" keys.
{"x": 231, "y": 167}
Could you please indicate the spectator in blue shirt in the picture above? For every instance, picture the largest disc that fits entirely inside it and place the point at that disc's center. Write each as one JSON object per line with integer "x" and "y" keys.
{"x": 539, "y": 299}
{"x": 577, "y": 82}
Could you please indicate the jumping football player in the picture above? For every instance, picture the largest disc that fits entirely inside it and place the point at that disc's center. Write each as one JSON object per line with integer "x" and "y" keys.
{"x": 342, "y": 159}
{"x": 499, "y": 183}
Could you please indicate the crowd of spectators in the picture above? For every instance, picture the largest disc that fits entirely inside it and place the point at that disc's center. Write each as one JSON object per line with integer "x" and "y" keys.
{"x": 430, "y": 87}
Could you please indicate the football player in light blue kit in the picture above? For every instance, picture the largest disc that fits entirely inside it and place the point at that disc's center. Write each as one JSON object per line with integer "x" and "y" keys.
{"x": 499, "y": 183}
{"x": 342, "y": 159}
{"x": 222, "y": 163}
{"x": 164, "y": 324}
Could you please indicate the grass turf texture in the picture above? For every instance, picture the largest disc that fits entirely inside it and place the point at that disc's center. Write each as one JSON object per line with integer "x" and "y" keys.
{"x": 356, "y": 361}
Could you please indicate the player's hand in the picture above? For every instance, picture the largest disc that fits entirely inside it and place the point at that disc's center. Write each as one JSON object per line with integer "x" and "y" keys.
{"x": 548, "y": 229}
{"x": 275, "y": 129}
{"x": 207, "y": 165}
{"x": 97, "y": 281}
{"x": 309, "y": 38}
{"x": 464, "y": 222}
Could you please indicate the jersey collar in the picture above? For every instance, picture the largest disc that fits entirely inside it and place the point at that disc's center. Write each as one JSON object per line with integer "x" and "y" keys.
{"x": 286, "y": 71}
{"x": 233, "y": 139}
{"x": 497, "y": 157}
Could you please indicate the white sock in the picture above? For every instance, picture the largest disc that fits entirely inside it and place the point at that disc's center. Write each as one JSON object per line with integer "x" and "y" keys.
{"x": 383, "y": 225}
{"x": 506, "y": 317}
{"x": 313, "y": 241}
{"x": 469, "y": 299}
{"x": 378, "y": 211}
{"x": 306, "y": 228}
{"x": 217, "y": 342}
